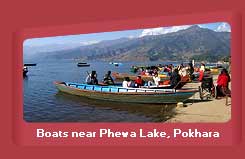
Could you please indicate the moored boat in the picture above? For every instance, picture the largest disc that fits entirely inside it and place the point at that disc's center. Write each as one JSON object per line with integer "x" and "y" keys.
{"x": 115, "y": 63}
{"x": 30, "y": 64}
{"x": 83, "y": 64}
{"x": 214, "y": 71}
{"x": 120, "y": 94}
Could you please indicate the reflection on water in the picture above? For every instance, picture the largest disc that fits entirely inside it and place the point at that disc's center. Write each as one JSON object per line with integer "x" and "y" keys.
{"x": 157, "y": 112}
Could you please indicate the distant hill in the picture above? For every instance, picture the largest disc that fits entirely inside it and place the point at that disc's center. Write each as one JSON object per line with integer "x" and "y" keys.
{"x": 194, "y": 42}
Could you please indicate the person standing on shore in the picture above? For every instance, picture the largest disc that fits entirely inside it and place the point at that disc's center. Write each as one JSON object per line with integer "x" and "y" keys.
{"x": 223, "y": 84}
{"x": 201, "y": 72}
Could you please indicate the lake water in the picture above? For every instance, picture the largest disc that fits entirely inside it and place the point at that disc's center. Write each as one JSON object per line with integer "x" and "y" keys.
{"x": 43, "y": 103}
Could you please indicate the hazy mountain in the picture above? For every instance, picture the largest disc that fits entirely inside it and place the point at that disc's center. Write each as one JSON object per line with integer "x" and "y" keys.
{"x": 181, "y": 45}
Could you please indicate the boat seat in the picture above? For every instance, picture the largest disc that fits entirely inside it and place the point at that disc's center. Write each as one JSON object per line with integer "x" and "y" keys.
{"x": 123, "y": 90}
{"x": 81, "y": 86}
{"x": 114, "y": 89}
{"x": 131, "y": 90}
{"x": 139, "y": 90}
{"x": 97, "y": 88}
{"x": 88, "y": 87}
{"x": 105, "y": 89}
{"x": 72, "y": 85}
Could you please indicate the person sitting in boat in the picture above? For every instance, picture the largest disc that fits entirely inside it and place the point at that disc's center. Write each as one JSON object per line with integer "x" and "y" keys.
{"x": 155, "y": 72}
{"x": 167, "y": 69}
{"x": 108, "y": 79}
{"x": 139, "y": 82}
{"x": 127, "y": 82}
{"x": 175, "y": 79}
{"x": 147, "y": 71}
{"x": 223, "y": 84}
{"x": 182, "y": 71}
{"x": 156, "y": 79}
{"x": 143, "y": 72}
{"x": 92, "y": 78}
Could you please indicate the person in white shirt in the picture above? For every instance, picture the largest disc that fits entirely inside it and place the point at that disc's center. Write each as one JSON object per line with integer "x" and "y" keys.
{"x": 156, "y": 79}
{"x": 183, "y": 72}
{"x": 92, "y": 78}
{"x": 126, "y": 83}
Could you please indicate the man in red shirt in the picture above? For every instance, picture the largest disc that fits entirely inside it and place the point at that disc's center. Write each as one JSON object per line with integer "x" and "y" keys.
{"x": 139, "y": 82}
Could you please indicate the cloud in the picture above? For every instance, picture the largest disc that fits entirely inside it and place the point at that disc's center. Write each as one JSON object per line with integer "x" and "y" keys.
{"x": 223, "y": 27}
{"x": 163, "y": 30}
{"x": 89, "y": 42}
{"x": 132, "y": 37}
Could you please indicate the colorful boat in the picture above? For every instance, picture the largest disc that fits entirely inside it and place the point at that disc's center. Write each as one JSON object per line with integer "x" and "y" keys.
{"x": 131, "y": 95}
{"x": 214, "y": 71}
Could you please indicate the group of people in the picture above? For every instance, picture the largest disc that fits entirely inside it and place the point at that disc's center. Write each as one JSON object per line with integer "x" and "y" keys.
{"x": 92, "y": 78}
{"x": 174, "y": 82}
{"x": 135, "y": 84}
{"x": 183, "y": 70}
{"x": 175, "y": 78}
{"x": 222, "y": 84}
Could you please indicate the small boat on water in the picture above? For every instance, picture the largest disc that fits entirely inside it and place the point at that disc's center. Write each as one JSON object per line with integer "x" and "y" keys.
{"x": 25, "y": 68}
{"x": 83, "y": 64}
{"x": 115, "y": 64}
{"x": 121, "y": 94}
{"x": 30, "y": 64}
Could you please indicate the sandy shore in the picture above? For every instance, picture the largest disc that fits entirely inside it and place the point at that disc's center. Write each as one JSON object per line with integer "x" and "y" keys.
{"x": 195, "y": 110}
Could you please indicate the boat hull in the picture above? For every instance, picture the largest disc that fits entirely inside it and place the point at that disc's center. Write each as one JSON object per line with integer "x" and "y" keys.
{"x": 83, "y": 64}
{"x": 131, "y": 97}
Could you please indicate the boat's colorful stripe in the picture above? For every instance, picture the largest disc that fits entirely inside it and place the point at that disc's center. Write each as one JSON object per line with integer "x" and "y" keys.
{"x": 120, "y": 94}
